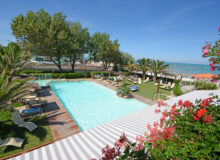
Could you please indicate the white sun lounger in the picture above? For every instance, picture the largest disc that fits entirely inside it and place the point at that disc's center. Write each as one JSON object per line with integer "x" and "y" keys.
{"x": 17, "y": 142}
{"x": 146, "y": 80}
{"x": 139, "y": 80}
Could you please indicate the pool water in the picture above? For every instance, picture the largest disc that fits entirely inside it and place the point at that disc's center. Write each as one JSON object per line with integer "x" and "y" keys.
{"x": 91, "y": 104}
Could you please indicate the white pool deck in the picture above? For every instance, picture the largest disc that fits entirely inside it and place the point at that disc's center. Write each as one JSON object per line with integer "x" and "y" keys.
{"x": 88, "y": 144}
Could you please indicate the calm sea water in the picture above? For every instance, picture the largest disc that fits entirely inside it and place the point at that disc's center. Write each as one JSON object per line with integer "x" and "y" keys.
{"x": 191, "y": 68}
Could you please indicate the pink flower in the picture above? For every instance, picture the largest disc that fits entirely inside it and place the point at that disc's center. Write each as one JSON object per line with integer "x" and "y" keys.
{"x": 205, "y": 51}
{"x": 213, "y": 79}
{"x": 219, "y": 28}
{"x": 148, "y": 126}
{"x": 157, "y": 111}
{"x": 212, "y": 67}
{"x": 139, "y": 146}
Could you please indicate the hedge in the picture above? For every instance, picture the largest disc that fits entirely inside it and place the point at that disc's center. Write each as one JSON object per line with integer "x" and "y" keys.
{"x": 42, "y": 71}
{"x": 71, "y": 75}
{"x": 64, "y": 75}
{"x": 176, "y": 89}
{"x": 201, "y": 85}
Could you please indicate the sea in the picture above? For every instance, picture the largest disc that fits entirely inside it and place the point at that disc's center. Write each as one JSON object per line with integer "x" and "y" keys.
{"x": 185, "y": 68}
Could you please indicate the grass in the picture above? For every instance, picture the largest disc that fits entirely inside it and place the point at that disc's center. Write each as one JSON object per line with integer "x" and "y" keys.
{"x": 38, "y": 137}
{"x": 148, "y": 90}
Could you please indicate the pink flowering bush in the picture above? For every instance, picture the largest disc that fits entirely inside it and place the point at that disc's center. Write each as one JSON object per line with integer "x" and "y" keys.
{"x": 184, "y": 131}
{"x": 213, "y": 52}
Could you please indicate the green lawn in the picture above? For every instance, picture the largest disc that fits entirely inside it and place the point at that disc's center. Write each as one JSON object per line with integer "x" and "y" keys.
{"x": 148, "y": 90}
{"x": 31, "y": 139}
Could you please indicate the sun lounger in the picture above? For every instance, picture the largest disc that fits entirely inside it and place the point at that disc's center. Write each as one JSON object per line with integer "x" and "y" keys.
{"x": 170, "y": 87}
{"x": 30, "y": 97}
{"x": 139, "y": 80}
{"x": 146, "y": 80}
{"x": 30, "y": 111}
{"x": 17, "y": 142}
{"x": 38, "y": 102}
{"x": 165, "y": 86}
{"x": 29, "y": 125}
{"x": 134, "y": 88}
{"x": 161, "y": 82}
{"x": 18, "y": 120}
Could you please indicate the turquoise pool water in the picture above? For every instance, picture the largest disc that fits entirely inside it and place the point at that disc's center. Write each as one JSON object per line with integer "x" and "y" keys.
{"x": 91, "y": 104}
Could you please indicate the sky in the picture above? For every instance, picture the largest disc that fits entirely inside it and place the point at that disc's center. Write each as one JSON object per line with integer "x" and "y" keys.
{"x": 168, "y": 30}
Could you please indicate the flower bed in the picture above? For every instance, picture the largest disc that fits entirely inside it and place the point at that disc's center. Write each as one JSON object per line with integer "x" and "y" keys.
{"x": 184, "y": 131}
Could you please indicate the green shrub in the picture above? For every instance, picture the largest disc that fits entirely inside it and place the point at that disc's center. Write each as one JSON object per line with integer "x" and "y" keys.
{"x": 202, "y": 85}
{"x": 5, "y": 116}
{"x": 124, "y": 90}
{"x": 42, "y": 71}
{"x": 71, "y": 75}
{"x": 176, "y": 89}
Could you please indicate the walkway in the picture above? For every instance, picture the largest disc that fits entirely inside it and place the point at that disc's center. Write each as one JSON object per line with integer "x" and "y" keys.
{"x": 60, "y": 122}
{"x": 88, "y": 144}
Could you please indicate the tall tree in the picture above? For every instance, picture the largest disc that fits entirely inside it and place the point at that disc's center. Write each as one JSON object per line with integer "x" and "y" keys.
{"x": 77, "y": 44}
{"x": 130, "y": 68}
{"x": 157, "y": 66}
{"x": 124, "y": 60}
{"x": 144, "y": 65}
{"x": 42, "y": 34}
{"x": 103, "y": 49}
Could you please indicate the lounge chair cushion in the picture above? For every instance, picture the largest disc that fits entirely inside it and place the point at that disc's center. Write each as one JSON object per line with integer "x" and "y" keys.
{"x": 17, "y": 142}
{"x": 31, "y": 111}
{"x": 134, "y": 88}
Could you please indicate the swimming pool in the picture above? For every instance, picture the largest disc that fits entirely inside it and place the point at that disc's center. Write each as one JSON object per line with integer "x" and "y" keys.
{"x": 91, "y": 104}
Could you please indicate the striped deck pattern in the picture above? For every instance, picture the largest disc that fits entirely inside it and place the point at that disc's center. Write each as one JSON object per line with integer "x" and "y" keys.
{"x": 88, "y": 144}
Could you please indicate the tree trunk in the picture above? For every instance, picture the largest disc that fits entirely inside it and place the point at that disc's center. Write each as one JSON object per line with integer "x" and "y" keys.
{"x": 58, "y": 64}
{"x": 105, "y": 65}
{"x": 144, "y": 75}
{"x": 155, "y": 77}
{"x": 73, "y": 62}
{"x": 73, "y": 67}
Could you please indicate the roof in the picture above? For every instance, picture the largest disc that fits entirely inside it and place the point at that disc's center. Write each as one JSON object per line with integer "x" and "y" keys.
{"x": 206, "y": 76}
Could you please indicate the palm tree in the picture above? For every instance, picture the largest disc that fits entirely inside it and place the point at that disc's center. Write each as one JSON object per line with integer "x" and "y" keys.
{"x": 14, "y": 58}
{"x": 130, "y": 68}
{"x": 144, "y": 65}
{"x": 10, "y": 91}
{"x": 157, "y": 66}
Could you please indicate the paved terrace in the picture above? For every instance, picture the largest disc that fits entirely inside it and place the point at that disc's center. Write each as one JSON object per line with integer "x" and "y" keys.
{"x": 61, "y": 123}
{"x": 88, "y": 144}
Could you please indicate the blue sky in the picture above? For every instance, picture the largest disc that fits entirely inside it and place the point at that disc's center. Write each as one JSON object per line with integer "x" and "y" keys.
{"x": 170, "y": 30}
